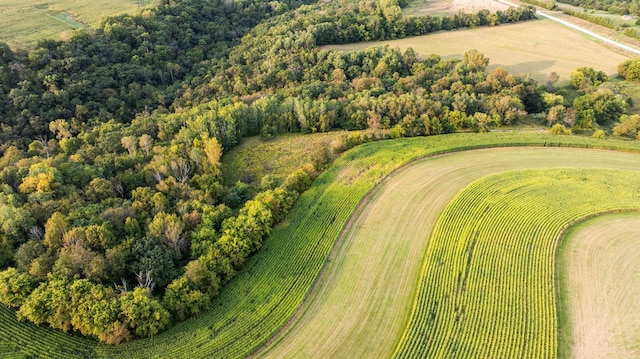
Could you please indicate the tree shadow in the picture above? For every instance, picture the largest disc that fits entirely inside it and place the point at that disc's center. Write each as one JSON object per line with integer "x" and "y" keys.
{"x": 538, "y": 70}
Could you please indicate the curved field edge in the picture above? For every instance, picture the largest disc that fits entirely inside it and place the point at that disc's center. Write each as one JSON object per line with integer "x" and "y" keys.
{"x": 275, "y": 282}
{"x": 488, "y": 280}
{"x": 598, "y": 287}
{"x": 366, "y": 290}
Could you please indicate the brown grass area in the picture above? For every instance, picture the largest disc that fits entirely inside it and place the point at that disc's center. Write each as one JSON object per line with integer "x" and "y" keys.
{"x": 601, "y": 262}
{"x": 442, "y": 7}
{"x": 534, "y": 48}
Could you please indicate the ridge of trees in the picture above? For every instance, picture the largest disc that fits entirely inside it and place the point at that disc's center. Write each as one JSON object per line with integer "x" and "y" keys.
{"x": 129, "y": 65}
{"x": 613, "y": 6}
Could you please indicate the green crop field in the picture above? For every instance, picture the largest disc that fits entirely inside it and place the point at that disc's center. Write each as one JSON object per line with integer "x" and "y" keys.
{"x": 26, "y": 22}
{"x": 380, "y": 262}
{"x": 536, "y": 48}
{"x": 272, "y": 287}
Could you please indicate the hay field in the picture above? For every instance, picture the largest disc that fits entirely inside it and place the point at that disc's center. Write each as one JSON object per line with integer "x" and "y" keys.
{"x": 447, "y": 7}
{"x": 25, "y": 22}
{"x": 364, "y": 298}
{"x": 534, "y": 48}
{"x": 600, "y": 266}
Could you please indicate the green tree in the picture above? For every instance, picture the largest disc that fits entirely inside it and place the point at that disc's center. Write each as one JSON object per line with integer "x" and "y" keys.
{"x": 143, "y": 314}
{"x": 15, "y": 287}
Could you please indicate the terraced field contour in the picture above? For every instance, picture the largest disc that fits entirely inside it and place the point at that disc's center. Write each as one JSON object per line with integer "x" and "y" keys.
{"x": 364, "y": 299}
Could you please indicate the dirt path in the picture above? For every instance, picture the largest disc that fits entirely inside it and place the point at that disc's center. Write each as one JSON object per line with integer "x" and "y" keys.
{"x": 547, "y": 15}
{"x": 601, "y": 265}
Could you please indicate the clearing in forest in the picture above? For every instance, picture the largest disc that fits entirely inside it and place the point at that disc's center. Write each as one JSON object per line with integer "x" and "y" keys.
{"x": 448, "y": 7}
{"x": 536, "y": 48}
{"x": 599, "y": 265}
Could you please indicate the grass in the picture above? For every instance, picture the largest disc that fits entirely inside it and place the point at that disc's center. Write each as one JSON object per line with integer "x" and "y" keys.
{"x": 28, "y": 21}
{"x": 487, "y": 287}
{"x": 449, "y": 7}
{"x": 368, "y": 286}
{"x": 280, "y": 156}
{"x": 599, "y": 288}
{"x": 536, "y": 48}
{"x": 271, "y": 288}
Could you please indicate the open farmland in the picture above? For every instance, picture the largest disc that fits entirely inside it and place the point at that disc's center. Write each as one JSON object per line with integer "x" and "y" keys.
{"x": 536, "y": 48}
{"x": 270, "y": 289}
{"x": 368, "y": 287}
{"x": 599, "y": 262}
{"x": 28, "y": 21}
{"x": 448, "y": 7}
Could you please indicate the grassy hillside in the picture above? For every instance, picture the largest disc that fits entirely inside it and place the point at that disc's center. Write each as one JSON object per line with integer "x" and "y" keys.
{"x": 275, "y": 282}
{"x": 26, "y": 22}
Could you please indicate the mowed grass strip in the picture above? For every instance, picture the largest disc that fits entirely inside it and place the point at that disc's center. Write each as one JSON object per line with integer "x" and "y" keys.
{"x": 266, "y": 294}
{"x": 26, "y": 22}
{"x": 364, "y": 297}
{"x": 598, "y": 264}
{"x": 536, "y": 48}
{"x": 487, "y": 287}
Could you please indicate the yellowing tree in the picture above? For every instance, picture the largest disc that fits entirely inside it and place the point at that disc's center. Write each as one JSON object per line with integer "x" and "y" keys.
{"x": 213, "y": 150}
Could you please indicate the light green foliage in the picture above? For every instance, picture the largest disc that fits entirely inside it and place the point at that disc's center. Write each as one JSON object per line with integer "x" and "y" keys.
{"x": 599, "y": 134}
{"x": 601, "y": 106}
{"x": 630, "y": 70}
{"x": 143, "y": 314}
{"x": 183, "y": 301}
{"x": 489, "y": 265}
{"x": 15, "y": 286}
{"x": 629, "y": 126}
{"x": 560, "y": 129}
{"x": 585, "y": 79}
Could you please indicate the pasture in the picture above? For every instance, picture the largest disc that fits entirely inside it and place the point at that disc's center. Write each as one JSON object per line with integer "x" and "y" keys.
{"x": 534, "y": 48}
{"x": 267, "y": 296}
{"x": 28, "y": 21}
{"x": 600, "y": 287}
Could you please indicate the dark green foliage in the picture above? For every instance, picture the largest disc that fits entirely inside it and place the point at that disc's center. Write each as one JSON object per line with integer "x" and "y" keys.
{"x": 602, "y": 106}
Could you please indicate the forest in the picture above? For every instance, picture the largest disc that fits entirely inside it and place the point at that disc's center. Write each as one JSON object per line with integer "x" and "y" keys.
{"x": 613, "y": 6}
{"x": 115, "y": 220}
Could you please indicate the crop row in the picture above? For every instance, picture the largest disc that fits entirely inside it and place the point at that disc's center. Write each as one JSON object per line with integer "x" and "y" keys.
{"x": 266, "y": 294}
{"x": 487, "y": 287}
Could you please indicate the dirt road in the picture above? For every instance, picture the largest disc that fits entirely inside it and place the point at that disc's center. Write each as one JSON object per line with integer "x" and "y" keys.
{"x": 583, "y": 30}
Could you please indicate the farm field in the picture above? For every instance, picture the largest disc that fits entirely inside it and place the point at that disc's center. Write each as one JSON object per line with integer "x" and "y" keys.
{"x": 448, "y": 7}
{"x": 599, "y": 263}
{"x": 368, "y": 287}
{"x": 26, "y": 22}
{"x": 270, "y": 289}
{"x": 549, "y": 47}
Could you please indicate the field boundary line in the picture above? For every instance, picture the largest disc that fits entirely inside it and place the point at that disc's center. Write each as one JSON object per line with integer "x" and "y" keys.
{"x": 281, "y": 333}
